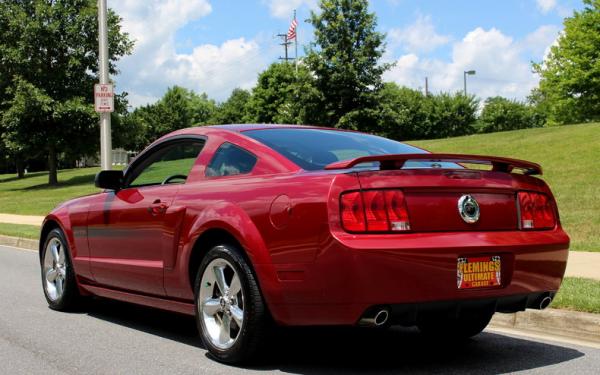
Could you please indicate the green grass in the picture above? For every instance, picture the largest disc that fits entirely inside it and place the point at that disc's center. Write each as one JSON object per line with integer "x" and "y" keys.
{"x": 17, "y": 230}
{"x": 33, "y": 196}
{"x": 578, "y": 294}
{"x": 570, "y": 157}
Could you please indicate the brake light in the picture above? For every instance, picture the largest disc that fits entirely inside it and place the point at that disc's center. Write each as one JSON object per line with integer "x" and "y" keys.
{"x": 353, "y": 213}
{"x": 537, "y": 211}
{"x": 382, "y": 211}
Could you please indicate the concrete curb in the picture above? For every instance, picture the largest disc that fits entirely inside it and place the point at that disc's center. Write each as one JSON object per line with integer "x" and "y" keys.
{"x": 565, "y": 323}
{"x": 24, "y": 243}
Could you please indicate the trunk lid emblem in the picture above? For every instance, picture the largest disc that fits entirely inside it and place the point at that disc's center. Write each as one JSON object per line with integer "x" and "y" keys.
{"x": 468, "y": 208}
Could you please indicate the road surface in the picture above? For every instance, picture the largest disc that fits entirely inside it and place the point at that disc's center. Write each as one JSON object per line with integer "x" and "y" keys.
{"x": 117, "y": 338}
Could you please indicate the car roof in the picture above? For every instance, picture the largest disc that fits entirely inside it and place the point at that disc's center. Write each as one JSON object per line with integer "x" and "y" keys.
{"x": 238, "y": 128}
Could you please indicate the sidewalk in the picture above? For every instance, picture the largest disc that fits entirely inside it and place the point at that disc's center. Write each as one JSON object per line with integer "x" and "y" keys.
{"x": 21, "y": 219}
{"x": 580, "y": 264}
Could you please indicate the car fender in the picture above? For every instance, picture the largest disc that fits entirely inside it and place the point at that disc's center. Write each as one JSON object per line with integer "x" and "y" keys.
{"x": 234, "y": 220}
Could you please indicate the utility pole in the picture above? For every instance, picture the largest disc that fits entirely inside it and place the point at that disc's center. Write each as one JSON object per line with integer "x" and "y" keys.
{"x": 105, "y": 131}
{"x": 426, "y": 87}
{"x": 285, "y": 45}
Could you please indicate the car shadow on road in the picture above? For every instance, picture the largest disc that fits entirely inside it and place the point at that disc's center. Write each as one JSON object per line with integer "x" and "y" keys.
{"x": 333, "y": 350}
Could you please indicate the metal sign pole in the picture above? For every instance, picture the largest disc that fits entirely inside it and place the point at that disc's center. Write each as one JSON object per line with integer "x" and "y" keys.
{"x": 105, "y": 131}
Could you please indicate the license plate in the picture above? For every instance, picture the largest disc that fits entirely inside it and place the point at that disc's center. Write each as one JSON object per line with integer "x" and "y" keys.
{"x": 478, "y": 272}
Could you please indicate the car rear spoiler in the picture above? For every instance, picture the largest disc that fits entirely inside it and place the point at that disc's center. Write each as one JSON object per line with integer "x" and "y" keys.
{"x": 396, "y": 161}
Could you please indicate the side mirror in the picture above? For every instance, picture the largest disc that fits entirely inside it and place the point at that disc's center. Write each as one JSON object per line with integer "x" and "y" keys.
{"x": 112, "y": 180}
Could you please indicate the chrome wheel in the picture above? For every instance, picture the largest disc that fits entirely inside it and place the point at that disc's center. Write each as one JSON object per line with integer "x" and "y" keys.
{"x": 55, "y": 269}
{"x": 221, "y": 303}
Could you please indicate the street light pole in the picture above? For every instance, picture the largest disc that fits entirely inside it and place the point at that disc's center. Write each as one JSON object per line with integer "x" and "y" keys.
{"x": 465, "y": 73}
{"x": 105, "y": 131}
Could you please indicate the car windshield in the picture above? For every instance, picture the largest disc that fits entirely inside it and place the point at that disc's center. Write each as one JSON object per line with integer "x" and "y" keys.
{"x": 313, "y": 149}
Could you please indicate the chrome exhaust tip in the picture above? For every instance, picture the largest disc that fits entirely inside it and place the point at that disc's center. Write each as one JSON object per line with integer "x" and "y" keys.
{"x": 545, "y": 302}
{"x": 378, "y": 319}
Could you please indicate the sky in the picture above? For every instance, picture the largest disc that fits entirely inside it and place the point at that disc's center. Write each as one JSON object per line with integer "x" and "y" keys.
{"x": 214, "y": 46}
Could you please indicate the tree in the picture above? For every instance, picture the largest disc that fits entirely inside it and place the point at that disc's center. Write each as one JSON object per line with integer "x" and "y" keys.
{"x": 234, "y": 109}
{"x": 179, "y": 108}
{"x": 452, "y": 115}
{"x": 49, "y": 50}
{"x": 404, "y": 113}
{"x": 569, "y": 89}
{"x": 284, "y": 96}
{"x": 345, "y": 60}
{"x": 501, "y": 114}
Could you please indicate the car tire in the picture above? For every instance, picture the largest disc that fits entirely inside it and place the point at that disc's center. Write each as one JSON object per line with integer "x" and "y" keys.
{"x": 454, "y": 328}
{"x": 58, "y": 277}
{"x": 240, "y": 304}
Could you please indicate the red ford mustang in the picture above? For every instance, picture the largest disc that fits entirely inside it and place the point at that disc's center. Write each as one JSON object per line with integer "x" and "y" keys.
{"x": 242, "y": 225}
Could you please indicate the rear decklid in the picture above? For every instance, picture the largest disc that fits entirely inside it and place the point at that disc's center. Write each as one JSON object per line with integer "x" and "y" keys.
{"x": 432, "y": 195}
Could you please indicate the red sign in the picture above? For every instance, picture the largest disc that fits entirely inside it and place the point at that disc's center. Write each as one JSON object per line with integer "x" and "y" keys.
{"x": 478, "y": 272}
{"x": 104, "y": 98}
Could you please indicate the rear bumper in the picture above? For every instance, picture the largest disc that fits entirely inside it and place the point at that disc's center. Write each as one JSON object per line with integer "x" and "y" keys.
{"x": 353, "y": 273}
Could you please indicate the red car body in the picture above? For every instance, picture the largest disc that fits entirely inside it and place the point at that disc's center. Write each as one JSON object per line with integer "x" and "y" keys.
{"x": 144, "y": 245}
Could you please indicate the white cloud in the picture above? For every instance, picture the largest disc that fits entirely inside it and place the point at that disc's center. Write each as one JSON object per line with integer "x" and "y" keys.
{"x": 285, "y": 8}
{"x": 501, "y": 68}
{"x": 155, "y": 64}
{"x": 418, "y": 37}
{"x": 540, "y": 40}
{"x": 546, "y": 6}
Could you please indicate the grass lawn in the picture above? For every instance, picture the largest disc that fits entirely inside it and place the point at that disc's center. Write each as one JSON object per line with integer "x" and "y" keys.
{"x": 570, "y": 158}
{"x": 32, "y": 195}
{"x": 578, "y": 294}
{"x": 18, "y": 230}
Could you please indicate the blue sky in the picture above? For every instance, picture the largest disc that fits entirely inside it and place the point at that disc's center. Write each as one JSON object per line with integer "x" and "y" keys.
{"x": 214, "y": 46}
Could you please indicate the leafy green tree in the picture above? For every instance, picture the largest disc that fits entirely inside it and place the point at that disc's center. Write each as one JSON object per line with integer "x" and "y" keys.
{"x": 48, "y": 50}
{"x": 344, "y": 58}
{"x": 404, "y": 112}
{"x": 451, "y": 115}
{"x": 569, "y": 89}
{"x": 501, "y": 114}
{"x": 234, "y": 109}
{"x": 179, "y": 108}
{"x": 284, "y": 96}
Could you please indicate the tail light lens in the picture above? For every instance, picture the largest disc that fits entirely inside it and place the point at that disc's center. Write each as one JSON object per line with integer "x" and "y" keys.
{"x": 382, "y": 211}
{"x": 537, "y": 211}
{"x": 353, "y": 212}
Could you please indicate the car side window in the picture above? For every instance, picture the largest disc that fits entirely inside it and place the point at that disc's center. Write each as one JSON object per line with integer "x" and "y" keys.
{"x": 167, "y": 165}
{"x": 230, "y": 160}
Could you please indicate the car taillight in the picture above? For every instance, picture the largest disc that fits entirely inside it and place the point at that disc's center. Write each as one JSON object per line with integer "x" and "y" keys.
{"x": 537, "y": 211}
{"x": 374, "y": 211}
{"x": 353, "y": 213}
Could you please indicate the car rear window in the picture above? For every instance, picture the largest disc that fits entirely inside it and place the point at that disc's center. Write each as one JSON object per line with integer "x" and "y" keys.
{"x": 313, "y": 149}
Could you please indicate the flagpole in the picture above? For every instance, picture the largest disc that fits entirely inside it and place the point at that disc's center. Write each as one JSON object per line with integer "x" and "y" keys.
{"x": 296, "y": 41}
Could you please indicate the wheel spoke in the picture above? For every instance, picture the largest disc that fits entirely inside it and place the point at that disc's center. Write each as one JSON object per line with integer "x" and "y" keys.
{"x": 225, "y": 333}
{"x": 61, "y": 256}
{"x": 51, "y": 275}
{"x": 211, "y": 307}
{"x": 54, "y": 250}
{"x": 235, "y": 286}
{"x": 220, "y": 279}
{"x": 238, "y": 315}
{"x": 59, "y": 287}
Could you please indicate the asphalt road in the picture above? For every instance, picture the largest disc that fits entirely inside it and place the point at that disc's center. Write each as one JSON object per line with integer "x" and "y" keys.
{"x": 116, "y": 338}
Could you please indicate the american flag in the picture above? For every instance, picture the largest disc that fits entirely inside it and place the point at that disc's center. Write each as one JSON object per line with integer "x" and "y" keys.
{"x": 292, "y": 30}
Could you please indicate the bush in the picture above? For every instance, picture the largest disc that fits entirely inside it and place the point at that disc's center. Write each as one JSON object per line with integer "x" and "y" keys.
{"x": 500, "y": 114}
{"x": 405, "y": 113}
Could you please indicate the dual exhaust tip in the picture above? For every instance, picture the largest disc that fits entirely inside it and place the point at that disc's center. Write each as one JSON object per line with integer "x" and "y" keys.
{"x": 379, "y": 316}
{"x": 376, "y": 318}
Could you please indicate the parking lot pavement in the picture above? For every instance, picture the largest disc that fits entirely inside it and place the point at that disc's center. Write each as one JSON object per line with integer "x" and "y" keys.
{"x": 116, "y": 338}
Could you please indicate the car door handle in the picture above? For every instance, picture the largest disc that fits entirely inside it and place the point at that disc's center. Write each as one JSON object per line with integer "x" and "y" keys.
{"x": 158, "y": 208}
